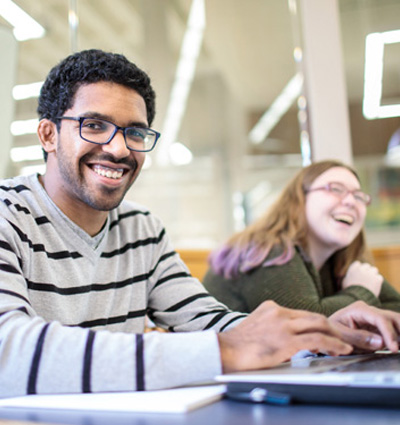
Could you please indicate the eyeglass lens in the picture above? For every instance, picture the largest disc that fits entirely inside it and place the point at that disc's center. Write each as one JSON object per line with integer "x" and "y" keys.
{"x": 101, "y": 132}
{"x": 342, "y": 191}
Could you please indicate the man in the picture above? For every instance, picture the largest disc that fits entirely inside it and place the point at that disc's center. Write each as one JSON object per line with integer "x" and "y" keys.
{"x": 79, "y": 270}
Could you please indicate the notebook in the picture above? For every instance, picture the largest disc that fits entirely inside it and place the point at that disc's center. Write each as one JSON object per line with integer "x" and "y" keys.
{"x": 176, "y": 400}
{"x": 365, "y": 379}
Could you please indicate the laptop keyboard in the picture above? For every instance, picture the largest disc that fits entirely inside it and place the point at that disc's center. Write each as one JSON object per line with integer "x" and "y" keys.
{"x": 379, "y": 362}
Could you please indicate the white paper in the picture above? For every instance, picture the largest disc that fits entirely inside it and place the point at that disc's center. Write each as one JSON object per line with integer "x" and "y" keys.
{"x": 175, "y": 400}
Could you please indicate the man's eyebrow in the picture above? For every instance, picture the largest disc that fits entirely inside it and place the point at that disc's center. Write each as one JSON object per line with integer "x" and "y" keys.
{"x": 99, "y": 115}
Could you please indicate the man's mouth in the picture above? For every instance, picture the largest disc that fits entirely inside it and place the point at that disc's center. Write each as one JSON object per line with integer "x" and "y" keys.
{"x": 344, "y": 218}
{"x": 111, "y": 173}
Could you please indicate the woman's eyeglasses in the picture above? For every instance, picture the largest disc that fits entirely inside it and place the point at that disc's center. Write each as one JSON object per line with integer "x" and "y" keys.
{"x": 341, "y": 191}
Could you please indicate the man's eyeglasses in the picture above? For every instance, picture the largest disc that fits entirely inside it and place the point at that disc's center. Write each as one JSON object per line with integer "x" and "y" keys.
{"x": 341, "y": 191}
{"x": 101, "y": 132}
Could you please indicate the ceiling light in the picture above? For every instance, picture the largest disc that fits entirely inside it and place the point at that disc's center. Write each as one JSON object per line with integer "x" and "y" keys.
{"x": 373, "y": 75}
{"x": 27, "y": 91}
{"x": 278, "y": 108}
{"x": 25, "y": 27}
{"x": 305, "y": 147}
{"x": 26, "y": 153}
{"x": 33, "y": 169}
{"x": 179, "y": 154}
{"x": 22, "y": 127}
{"x": 184, "y": 74}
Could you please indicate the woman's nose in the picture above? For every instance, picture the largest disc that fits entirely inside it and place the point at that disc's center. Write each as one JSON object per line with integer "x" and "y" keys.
{"x": 349, "y": 198}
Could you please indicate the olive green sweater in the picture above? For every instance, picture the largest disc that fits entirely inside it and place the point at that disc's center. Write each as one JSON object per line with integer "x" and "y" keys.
{"x": 296, "y": 284}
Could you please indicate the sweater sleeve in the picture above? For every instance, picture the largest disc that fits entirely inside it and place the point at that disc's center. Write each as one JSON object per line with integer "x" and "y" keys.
{"x": 231, "y": 291}
{"x": 295, "y": 284}
{"x": 39, "y": 357}
{"x": 179, "y": 302}
{"x": 389, "y": 297}
{"x": 43, "y": 356}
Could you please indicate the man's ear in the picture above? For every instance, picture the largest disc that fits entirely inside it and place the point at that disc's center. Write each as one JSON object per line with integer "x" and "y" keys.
{"x": 47, "y": 133}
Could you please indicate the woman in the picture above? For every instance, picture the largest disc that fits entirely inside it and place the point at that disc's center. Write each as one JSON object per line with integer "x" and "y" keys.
{"x": 308, "y": 252}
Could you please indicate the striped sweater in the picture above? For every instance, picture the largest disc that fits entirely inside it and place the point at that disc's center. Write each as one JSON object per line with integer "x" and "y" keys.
{"x": 73, "y": 307}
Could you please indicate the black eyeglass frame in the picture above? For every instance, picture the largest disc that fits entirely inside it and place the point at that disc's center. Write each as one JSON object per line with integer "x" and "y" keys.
{"x": 116, "y": 128}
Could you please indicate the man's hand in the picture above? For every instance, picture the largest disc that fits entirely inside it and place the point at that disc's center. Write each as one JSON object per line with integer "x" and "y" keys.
{"x": 272, "y": 334}
{"x": 367, "y": 328}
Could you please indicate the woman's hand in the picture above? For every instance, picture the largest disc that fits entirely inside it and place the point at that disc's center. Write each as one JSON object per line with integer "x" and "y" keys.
{"x": 363, "y": 274}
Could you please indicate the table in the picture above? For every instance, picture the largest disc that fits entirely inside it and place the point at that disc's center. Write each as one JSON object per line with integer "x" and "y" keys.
{"x": 224, "y": 412}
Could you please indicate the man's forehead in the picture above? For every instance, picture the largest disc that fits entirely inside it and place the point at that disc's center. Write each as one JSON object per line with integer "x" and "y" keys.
{"x": 111, "y": 100}
{"x": 106, "y": 88}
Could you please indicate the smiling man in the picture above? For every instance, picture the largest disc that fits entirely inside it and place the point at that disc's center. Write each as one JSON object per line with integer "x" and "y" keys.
{"x": 80, "y": 269}
{"x": 84, "y": 177}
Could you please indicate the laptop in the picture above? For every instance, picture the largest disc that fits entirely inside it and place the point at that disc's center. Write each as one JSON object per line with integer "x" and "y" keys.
{"x": 364, "y": 379}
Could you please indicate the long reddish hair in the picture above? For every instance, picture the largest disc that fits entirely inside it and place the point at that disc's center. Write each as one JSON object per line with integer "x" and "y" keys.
{"x": 284, "y": 225}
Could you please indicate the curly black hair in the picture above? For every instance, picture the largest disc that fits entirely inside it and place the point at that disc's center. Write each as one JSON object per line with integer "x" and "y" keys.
{"x": 91, "y": 66}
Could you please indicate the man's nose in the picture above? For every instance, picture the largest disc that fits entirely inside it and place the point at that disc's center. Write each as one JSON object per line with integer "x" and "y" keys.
{"x": 117, "y": 145}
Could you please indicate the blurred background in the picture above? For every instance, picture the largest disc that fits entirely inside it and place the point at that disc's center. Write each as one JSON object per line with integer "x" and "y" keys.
{"x": 237, "y": 99}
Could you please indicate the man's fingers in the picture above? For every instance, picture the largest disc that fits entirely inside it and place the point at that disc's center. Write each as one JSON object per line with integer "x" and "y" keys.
{"x": 317, "y": 342}
{"x": 389, "y": 334}
{"x": 386, "y": 328}
{"x": 350, "y": 320}
{"x": 313, "y": 323}
{"x": 394, "y": 319}
{"x": 361, "y": 339}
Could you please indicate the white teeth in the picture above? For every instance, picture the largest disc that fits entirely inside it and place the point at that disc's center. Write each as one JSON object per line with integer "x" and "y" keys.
{"x": 344, "y": 218}
{"x": 111, "y": 174}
